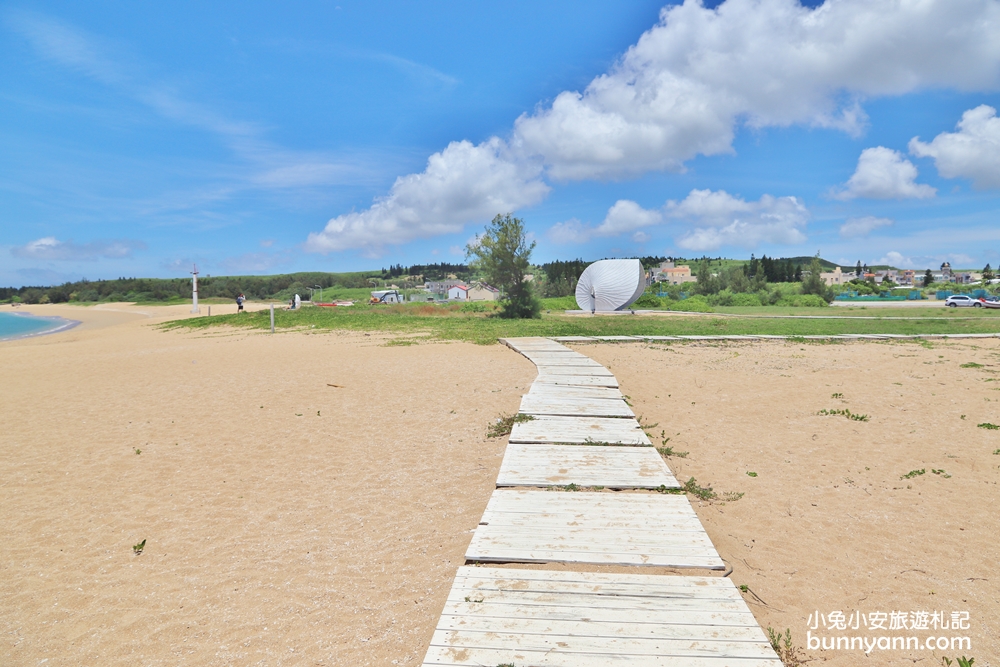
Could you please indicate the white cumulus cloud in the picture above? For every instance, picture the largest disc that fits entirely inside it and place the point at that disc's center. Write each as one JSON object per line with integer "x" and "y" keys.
{"x": 50, "y": 248}
{"x": 462, "y": 183}
{"x": 972, "y": 152}
{"x": 855, "y": 227}
{"x": 714, "y": 218}
{"x": 685, "y": 88}
{"x": 570, "y": 231}
{"x": 720, "y": 219}
{"x": 626, "y": 216}
{"x": 690, "y": 80}
{"x": 883, "y": 173}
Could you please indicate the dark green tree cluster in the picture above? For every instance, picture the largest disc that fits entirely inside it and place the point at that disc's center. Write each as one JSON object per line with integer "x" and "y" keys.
{"x": 166, "y": 289}
{"x": 438, "y": 271}
{"x": 773, "y": 270}
{"x": 561, "y": 277}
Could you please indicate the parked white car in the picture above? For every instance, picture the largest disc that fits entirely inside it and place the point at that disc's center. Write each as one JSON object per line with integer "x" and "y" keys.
{"x": 956, "y": 300}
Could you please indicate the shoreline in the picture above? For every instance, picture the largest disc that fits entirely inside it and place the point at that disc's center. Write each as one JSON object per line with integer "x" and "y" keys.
{"x": 61, "y": 324}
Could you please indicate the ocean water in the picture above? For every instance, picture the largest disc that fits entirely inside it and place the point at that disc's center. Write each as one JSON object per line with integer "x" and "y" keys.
{"x": 16, "y": 325}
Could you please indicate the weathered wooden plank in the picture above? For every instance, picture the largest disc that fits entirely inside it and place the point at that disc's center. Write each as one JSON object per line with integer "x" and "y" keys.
{"x": 618, "y": 339}
{"x": 600, "y": 528}
{"x": 542, "y": 404}
{"x": 443, "y": 656}
{"x": 560, "y": 465}
{"x": 579, "y": 430}
{"x": 577, "y": 380}
{"x": 547, "y": 389}
{"x": 565, "y": 360}
{"x": 648, "y": 647}
{"x": 562, "y": 619}
{"x": 582, "y": 371}
{"x": 557, "y": 357}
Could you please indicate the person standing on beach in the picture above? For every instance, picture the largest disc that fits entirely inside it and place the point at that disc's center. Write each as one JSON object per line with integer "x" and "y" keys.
{"x": 239, "y": 303}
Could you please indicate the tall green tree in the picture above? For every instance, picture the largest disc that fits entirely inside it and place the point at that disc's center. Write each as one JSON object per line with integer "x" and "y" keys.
{"x": 503, "y": 255}
{"x": 813, "y": 283}
{"x": 928, "y": 278}
{"x": 988, "y": 274}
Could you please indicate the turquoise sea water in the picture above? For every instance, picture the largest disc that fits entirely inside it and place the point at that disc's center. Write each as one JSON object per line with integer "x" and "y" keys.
{"x": 16, "y": 325}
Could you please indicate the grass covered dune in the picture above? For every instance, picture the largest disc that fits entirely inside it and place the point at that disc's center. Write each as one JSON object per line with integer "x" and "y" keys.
{"x": 451, "y": 323}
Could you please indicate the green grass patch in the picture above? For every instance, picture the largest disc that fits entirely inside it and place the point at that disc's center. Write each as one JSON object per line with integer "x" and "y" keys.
{"x": 914, "y": 473}
{"x": 988, "y": 426}
{"x": 448, "y": 322}
{"x": 971, "y": 364}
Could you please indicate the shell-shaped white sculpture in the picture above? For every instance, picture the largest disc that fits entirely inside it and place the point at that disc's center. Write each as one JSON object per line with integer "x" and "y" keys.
{"x": 610, "y": 284}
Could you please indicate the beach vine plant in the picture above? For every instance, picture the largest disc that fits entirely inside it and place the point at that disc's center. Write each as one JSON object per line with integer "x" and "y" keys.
{"x": 853, "y": 416}
{"x": 782, "y": 645}
{"x": 505, "y": 424}
{"x": 665, "y": 451}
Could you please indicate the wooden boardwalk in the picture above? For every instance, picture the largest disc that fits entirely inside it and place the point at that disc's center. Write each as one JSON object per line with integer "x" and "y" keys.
{"x": 645, "y": 529}
{"x": 579, "y": 430}
{"x": 576, "y": 619}
{"x": 560, "y": 465}
{"x": 548, "y": 618}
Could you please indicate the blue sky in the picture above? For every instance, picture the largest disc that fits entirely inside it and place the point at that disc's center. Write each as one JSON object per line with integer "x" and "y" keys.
{"x": 346, "y": 135}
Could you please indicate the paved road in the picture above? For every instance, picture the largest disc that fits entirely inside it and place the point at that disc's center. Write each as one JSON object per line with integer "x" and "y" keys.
{"x": 928, "y": 303}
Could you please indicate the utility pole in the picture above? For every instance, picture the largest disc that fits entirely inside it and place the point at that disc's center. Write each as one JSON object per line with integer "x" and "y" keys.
{"x": 194, "y": 290}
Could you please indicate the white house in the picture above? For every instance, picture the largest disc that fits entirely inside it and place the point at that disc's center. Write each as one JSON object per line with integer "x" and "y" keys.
{"x": 483, "y": 292}
{"x": 458, "y": 293}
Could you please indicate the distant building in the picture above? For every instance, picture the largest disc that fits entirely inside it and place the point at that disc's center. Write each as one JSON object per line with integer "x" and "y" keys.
{"x": 836, "y": 277}
{"x": 967, "y": 277}
{"x": 483, "y": 292}
{"x": 946, "y": 271}
{"x": 442, "y": 287}
{"x": 674, "y": 275}
{"x": 907, "y": 277}
{"x": 890, "y": 274}
{"x": 458, "y": 293}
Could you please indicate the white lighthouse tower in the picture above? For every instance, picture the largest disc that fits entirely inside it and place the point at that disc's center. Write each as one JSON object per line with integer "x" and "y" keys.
{"x": 194, "y": 290}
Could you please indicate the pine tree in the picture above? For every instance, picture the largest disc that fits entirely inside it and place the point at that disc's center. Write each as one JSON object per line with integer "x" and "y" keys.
{"x": 857, "y": 271}
{"x": 928, "y": 278}
{"x": 503, "y": 255}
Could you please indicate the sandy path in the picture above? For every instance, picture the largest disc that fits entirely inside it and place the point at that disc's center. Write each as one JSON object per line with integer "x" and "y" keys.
{"x": 828, "y": 524}
{"x": 329, "y": 538}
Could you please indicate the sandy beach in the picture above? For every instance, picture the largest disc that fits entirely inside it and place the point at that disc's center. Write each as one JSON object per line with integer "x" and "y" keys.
{"x": 827, "y": 524}
{"x": 306, "y": 498}
{"x": 287, "y": 521}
